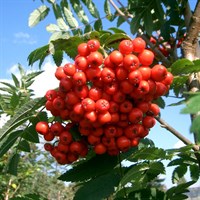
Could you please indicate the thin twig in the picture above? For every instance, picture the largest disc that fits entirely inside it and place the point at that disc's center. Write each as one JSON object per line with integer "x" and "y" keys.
{"x": 176, "y": 133}
{"x": 164, "y": 60}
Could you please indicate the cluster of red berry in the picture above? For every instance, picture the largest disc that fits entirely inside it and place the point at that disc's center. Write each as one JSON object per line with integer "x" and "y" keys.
{"x": 108, "y": 98}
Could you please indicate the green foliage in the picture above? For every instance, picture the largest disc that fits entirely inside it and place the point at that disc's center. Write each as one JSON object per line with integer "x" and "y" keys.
{"x": 13, "y": 164}
{"x": 99, "y": 187}
{"x": 95, "y": 166}
{"x": 38, "y": 15}
{"x": 184, "y": 66}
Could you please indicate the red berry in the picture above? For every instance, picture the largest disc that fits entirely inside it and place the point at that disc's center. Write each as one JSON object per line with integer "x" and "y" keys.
{"x": 42, "y": 127}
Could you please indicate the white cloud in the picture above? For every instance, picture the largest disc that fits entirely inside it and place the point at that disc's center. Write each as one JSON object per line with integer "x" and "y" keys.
{"x": 23, "y": 38}
{"x": 46, "y": 80}
{"x": 3, "y": 119}
{"x": 13, "y": 69}
{"x": 179, "y": 144}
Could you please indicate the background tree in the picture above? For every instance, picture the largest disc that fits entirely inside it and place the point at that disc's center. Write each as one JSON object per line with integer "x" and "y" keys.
{"x": 170, "y": 29}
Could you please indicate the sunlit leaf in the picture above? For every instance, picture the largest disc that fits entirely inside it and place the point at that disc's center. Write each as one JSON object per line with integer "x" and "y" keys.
{"x": 79, "y": 11}
{"x": 73, "y": 23}
{"x": 92, "y": 8}
{"x": 150, "y": 153}
{"x": 38, "y": 15}
{"x": 182, "y": 66}
{"x": 192, "y": 105}
{"x": 52, "y": 28}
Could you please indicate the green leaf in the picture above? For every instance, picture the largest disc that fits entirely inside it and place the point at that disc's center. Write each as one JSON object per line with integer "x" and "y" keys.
{"x": 182, "y": 66}
{"x": 160, "y": 102}
{"x": 156, "y": 168}
{"x": 150, "y": 153}
{"x": 38, "y": 54}
{"x": 92, "y": 8}
{"x": 75, "y": 133}
{"x": 13, "y": 88}
{"x": 135, "y": 24}
{"x": 177, "y": 190}
{"x": 178, "y": 161}
{"x": 178, "y": 173}
{"x": 134, "y": 173}
{"x": 194, "y": 172}
{"x": 69, "y": 46}
{"x": 13, "y": 164}
{"x": 117, "y": 30}
{"x": 195, "y": 128}
{"x": 192, "y": 105}
{"x": 58, "y": 57}
{"x": 41, "y": 116}
{"x": 73, "y": 23}
{"x": 120, "y": 21}
{"x": 98, "y": 188}
{"x": 58, "y": 35}
{"x": 115, "y": 38}
{"x": 165, "y": 30}
{"x": 29, "y": 197}
{"x": 78, "y": 9}
{"x": 96, "y": 166}
{"x": 98, "y": 25}
{"x": 30, "y": 134}
{"x": 16, "y": 81}
{"x": 107, "y": 8}
{"x": 14, "y": 101}
{"x": 52, "y": 28}
{"x": 24, "y": 146}
{"x": 22, "y": 115}
{"x": 9, "y": 141}
{"x": 148, "y": 22}
{"x": 62, "y": 25}
{"x": 88, "y": 28}
{"x": 38, "y": 15}
{"x": 179, "y": 83}
{"x": 32, "y": 75}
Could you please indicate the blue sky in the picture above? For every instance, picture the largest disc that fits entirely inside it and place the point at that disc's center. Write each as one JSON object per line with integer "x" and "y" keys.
{"x": 17, "y": 40}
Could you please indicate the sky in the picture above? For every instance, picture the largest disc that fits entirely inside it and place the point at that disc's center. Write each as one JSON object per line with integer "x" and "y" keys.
{"x": 17, "y": 40}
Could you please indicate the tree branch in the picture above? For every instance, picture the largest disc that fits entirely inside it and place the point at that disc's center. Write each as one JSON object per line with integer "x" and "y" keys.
{"x": 193, "y": 25}
{"x": 163, "y": 59}
{"x": 176, "y": 133}
{"x": 191, "y": 49}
